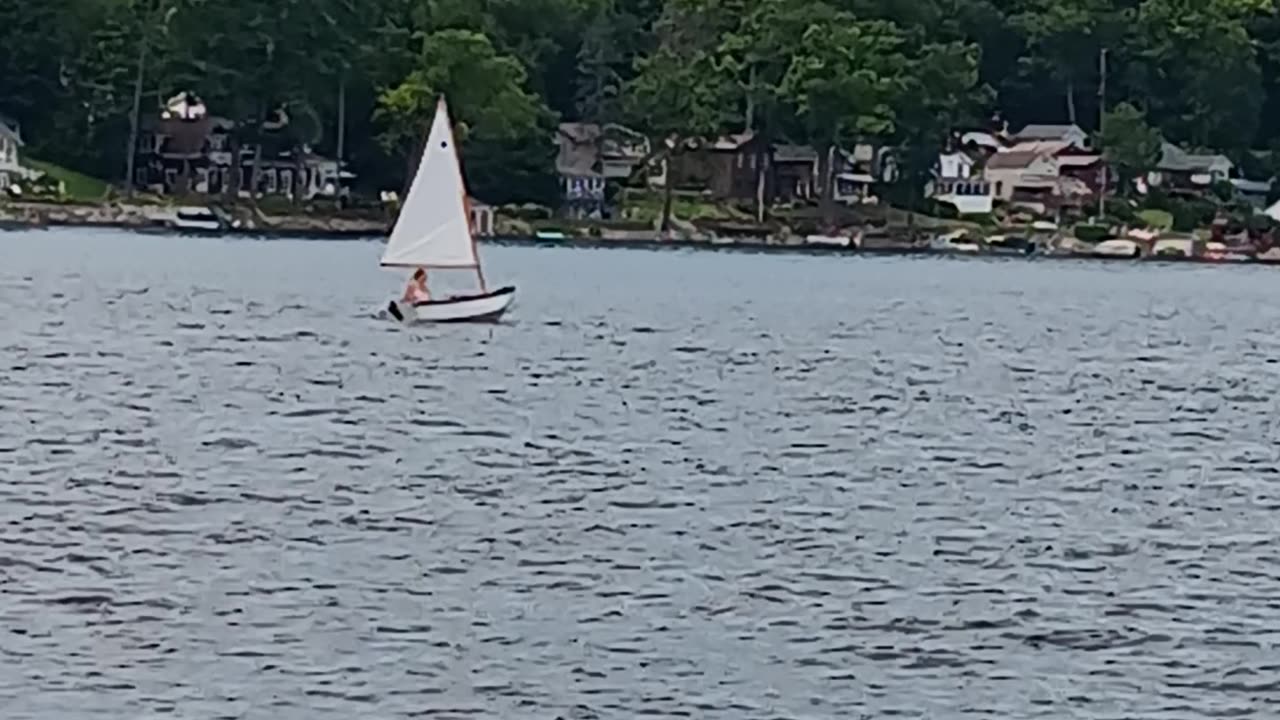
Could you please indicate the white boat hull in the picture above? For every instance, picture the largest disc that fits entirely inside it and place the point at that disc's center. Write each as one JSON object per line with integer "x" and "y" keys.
{"x": 488, "y": 307}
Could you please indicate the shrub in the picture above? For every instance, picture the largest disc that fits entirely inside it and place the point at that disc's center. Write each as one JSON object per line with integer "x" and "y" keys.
{"x": 1121, "y": 211}
{"x": 1092, "y": 233}
{"x": 1191, "y": 214}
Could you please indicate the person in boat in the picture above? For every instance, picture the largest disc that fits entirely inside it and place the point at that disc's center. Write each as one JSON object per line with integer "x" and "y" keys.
{"x": 416, "y": 291}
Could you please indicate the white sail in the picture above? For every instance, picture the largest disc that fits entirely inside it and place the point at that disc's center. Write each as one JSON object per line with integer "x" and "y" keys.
{"x": 433, "y": 229}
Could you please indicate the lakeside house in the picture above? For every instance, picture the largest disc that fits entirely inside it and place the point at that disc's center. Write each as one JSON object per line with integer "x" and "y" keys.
{"x": 588, "y": 156}
{"x": 1178, "y": 169}
{"x": 794, "y": 173}
{"x": 1035, "y": 179}
{"x": 1042, "y": 168}
{"x": 188, "y": 151}
{"x": 11, "y": 170}
{"x": 725, "y": 167}
{"x": 958, "y": 182}
{"x": 858, "y": 170}
{"x": 733, "y": 167}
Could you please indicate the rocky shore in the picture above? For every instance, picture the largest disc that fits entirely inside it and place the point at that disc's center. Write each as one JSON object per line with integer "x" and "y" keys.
{"x": 158, "y": 219}
{"x": 143, "y": 217}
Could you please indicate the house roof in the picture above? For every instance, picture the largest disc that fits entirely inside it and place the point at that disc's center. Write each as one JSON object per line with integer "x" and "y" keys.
{"x": 583, "y": 145}
{"x": 733, "y": 141}
{"x": 1013, "y": 160}
{"x": 578, "y": 160}
{"x": 1044, "y": 147}
{"x": 794, "y": 153}
{"x": 9, "y": 130}
{"x": 1047, "y": 132}
{"x": 981, "y": 139}
{"x": 1252, "y": 187}
{"x": 1175, "y": 159}
{"x": 1078, "y": 160}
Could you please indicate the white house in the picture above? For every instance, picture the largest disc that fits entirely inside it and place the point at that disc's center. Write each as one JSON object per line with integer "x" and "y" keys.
{"x": 956, "y": 183}
{"x": 10, "y": 142}
{"x": 1034, "y": 180}
{"x": 1010, "y": 171}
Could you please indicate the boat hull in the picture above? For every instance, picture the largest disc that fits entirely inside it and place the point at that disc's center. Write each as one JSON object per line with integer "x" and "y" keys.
{"x": 487, "y": 307}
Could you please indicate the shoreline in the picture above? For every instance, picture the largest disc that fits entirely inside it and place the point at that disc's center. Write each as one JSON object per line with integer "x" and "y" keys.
{"x": 741, "y": 247}
{"x": 356, "y": 230}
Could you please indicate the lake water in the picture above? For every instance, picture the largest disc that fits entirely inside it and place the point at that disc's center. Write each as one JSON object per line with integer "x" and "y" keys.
{"x": 671, "y": 484}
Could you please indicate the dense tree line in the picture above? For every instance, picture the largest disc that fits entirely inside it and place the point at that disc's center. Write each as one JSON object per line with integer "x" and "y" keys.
{"x": 825, "y": 72}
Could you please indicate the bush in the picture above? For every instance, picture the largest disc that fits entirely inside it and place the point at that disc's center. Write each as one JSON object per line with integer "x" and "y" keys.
{"x": 1092, "y": 233}
{"x": 1259, "y": 223}
{"x": 943, "y": 210}
{"x": 1121, "y": 211}
{"x": 528, "y": 211}
{"x": 1191, "y": 214}
{"x": 1223, "y": 190}
{"x": 1159, "y": 219}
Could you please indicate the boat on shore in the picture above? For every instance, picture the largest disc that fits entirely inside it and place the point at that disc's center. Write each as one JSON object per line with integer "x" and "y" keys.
{"x": 186, "y": 220}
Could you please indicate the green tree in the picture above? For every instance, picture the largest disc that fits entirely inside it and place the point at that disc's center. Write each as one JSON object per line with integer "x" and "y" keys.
{"x": 941, "y": 91}
{"x": 843, "y": 82}
{"x": 1129, "y": 143}
{"x": 488, "y": 102}
{"x": 1064, "y": 39}
{"x": 755, "y": 56}
{"x": 678, "y": 93}
{"x": 1194, "y": 66}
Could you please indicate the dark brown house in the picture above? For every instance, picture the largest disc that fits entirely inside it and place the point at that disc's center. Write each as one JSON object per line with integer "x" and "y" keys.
{"x": 186, "y": 151}
{"x": 726, "y": 167}
{"x": 730, "y": 168}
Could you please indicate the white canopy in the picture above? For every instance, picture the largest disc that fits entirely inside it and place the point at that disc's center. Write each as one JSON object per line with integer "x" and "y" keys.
{"x": 434, "y": 229}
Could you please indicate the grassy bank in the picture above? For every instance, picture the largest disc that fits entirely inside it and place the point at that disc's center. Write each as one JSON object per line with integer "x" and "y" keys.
{"x": 78, "y": 186}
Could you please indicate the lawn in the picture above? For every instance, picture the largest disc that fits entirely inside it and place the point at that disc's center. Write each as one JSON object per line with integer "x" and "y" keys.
{"x": 1158, "y": 219}
{"x": 646, "y": 206}
{"x": 78, "y": 186}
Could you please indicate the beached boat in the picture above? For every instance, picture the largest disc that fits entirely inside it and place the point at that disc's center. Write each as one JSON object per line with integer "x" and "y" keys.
{"x": 956, "y": 241}
{"x": 1116, "y": 248}
{"x": 434, "y": 232}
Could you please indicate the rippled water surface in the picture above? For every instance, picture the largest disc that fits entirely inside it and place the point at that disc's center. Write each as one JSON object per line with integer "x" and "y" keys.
{"x": 670, "y": 485}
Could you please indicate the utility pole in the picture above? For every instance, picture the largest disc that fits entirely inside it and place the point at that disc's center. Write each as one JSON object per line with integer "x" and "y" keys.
{"x": 1102, "y": 119}
{"x": 342, "y": 119}
{"x": 131, "y": 150}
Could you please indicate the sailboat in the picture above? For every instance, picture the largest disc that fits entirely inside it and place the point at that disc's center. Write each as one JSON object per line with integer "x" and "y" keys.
{"x": 434, "y": 232}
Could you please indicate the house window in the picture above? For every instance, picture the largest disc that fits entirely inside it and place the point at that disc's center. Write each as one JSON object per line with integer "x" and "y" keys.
{"x": 140, "y": 177}
{"x": 170, "y": 178}
{"x": 202, "y": 180}
{"x": 269, "y": 178}
{"x": 286, "y": 182}
{"x": 999, "y": 187}
{"x": 741, "y": 161}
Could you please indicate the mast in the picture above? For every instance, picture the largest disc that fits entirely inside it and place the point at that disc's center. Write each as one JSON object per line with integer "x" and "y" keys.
{"x": 443, "y": 107}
